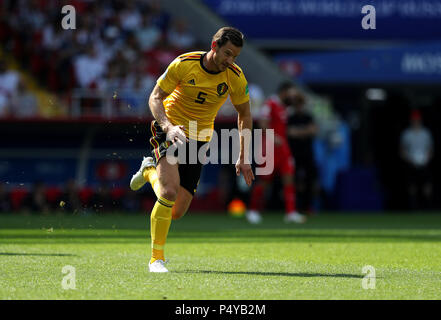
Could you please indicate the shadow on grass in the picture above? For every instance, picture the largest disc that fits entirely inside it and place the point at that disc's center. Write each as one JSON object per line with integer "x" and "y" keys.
{"x": 37, "y": 254}
{"x": 278, "y": 274}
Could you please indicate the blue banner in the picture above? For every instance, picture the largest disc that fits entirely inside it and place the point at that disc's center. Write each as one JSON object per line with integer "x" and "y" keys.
{"x": 405, "y": 64}
{"x": 331, "y": 19}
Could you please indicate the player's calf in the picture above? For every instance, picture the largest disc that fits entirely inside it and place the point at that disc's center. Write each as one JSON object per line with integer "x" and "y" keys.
{"x": 182, "y": 203}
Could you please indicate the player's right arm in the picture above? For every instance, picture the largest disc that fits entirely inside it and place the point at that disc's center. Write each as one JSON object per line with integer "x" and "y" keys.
{"x": 156, "y": 105}
{"x": 165, "y": 85}
{"x": 174, "y": 133}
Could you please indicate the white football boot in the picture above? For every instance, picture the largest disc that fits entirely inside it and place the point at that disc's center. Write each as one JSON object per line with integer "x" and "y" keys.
{"x": 253, "y": 217}
{"x": 138, "y": 179}
{"x": 157, "y": 266}
{"x": 295, "y": 217}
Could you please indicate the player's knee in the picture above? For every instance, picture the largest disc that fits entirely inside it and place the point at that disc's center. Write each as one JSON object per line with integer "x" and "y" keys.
{"x": 169, "y": 192}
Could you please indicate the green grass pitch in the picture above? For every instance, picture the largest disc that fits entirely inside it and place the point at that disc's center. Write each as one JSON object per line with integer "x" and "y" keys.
{"x": 221, "y": 257}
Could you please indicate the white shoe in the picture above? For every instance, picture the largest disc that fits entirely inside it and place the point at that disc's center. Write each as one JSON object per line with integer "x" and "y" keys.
{"x": 295, "y": 217}
{"x": 138, "y": 179}
{"x": 253, "y": 217}
{"x": 157, "y": 266}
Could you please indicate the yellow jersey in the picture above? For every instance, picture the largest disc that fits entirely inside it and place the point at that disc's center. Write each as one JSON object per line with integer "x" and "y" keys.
{"x": 197, "y": 93}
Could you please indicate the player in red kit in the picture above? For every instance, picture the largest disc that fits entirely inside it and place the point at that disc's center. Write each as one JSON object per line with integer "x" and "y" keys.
{"x": 274, "y": 116}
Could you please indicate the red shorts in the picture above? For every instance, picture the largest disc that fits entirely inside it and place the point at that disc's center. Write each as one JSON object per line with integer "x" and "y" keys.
{"x": 283, "y": 162}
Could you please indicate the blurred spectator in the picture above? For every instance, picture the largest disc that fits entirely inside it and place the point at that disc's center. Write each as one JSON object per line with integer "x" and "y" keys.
{"x": 274, "y": 116}
{"x": 179, "y": 37}
{"x": 332, "y": 151}
{"x": 5, "y": 203}
{"x": 31, "y": 15}
{"x": 89, "y": 68}
{"x": 160, "y": 57}
{"x": 130, "y": 17}
{"x": 115, "y": 73}
{"x": 9, "y": 81}
{"x": 149, "y": 34}
{"x": 53, "y": 36}
{"x": 301, "y": 132}
{"x": 36, "y": 200}
{"x": 137, "y": 87}
{"x": 141, "y": 81}
{"x": 110, "y": 44}
{"x": 132, "y": 50}
{"x": 159, "y": 17}
{"x": 110, "y": 37}
{"x": 24, "y": 103}
{"x": 416, "y": 150}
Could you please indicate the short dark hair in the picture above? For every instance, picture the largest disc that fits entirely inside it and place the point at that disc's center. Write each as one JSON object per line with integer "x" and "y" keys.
{"x": 285, "y": 85}
{"x": 225, "y": 34}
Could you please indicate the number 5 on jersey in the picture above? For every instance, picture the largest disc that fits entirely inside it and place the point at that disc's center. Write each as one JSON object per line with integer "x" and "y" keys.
{"x": 201, "y": 97}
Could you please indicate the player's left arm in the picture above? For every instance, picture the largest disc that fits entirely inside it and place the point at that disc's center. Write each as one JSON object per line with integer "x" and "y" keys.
{"x": 245, "y": 126}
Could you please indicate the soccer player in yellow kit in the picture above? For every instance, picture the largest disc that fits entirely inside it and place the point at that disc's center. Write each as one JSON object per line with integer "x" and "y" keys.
{"x": 193, "y": 88}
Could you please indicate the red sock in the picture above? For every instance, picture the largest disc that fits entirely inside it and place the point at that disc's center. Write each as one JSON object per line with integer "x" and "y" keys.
{"x": 289, "y": 193}
{"x": 256, "y": 201}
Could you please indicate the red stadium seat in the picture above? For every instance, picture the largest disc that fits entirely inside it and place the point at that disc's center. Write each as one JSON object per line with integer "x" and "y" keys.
{"x": 53, "y": 194}
{"x": 117, "y": 193}
{"x": 17, "y": 197}
{"x": 85, "y": 195}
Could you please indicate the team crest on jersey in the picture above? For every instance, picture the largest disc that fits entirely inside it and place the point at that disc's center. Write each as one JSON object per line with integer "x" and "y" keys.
{"x": 222, "y": 88}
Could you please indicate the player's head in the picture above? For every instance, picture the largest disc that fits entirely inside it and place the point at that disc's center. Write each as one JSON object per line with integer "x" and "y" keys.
{"x": 226, "y": 46}
{"x": 286, "y": 92}
{"x": 298, "y": 99}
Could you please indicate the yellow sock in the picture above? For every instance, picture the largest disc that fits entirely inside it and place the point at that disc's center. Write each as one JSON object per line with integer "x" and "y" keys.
{"x": 160, "y": 221}
{"x": 151, "y": 176}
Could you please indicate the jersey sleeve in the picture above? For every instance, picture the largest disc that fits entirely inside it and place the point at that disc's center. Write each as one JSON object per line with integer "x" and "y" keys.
{"x": 171, "y": 77}
{"x": 239, "y": 93}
